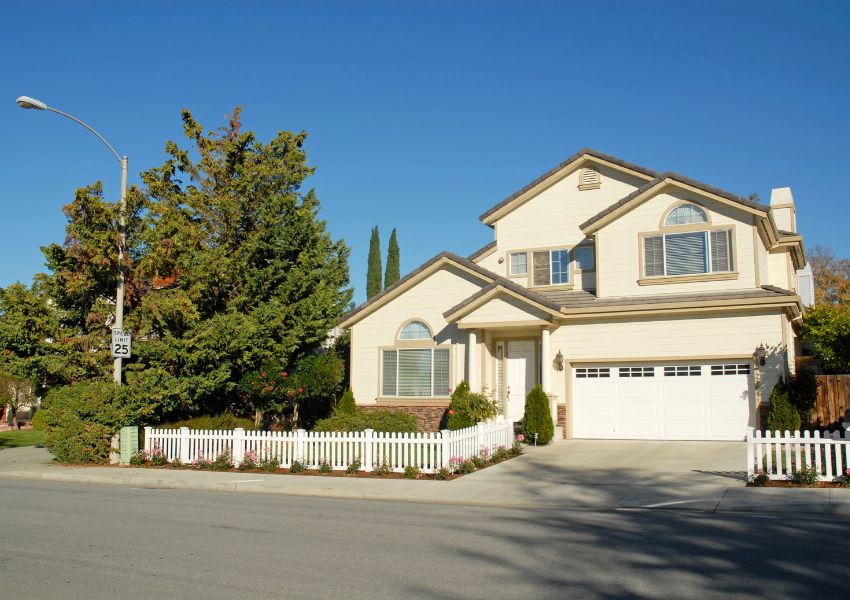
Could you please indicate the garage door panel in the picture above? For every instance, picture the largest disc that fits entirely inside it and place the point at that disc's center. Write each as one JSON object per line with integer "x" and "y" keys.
{"x": 692, "y": 401}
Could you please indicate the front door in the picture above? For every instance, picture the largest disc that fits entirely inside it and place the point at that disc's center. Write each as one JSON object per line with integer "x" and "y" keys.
{"x": 521, "y": 376}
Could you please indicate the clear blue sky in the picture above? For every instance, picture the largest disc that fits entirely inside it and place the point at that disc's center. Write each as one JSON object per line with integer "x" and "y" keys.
{"x": 424, "y": 114}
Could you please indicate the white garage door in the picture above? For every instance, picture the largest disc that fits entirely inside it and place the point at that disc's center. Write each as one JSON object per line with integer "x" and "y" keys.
{"x": 675, "y": 401}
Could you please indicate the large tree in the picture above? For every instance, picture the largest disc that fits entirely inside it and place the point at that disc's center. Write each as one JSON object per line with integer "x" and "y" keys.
{"x": 393, "y": 273}
{"x": 228, "y": 267}
{"x": 373, "y": 269}
{"x": 832, "y": 277}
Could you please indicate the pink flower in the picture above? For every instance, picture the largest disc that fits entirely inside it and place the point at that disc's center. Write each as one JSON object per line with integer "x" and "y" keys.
{"x": 268, "y": 389}
{"x": 284, "y": 374}
{"x": 300, "y": 390}
{"x": 451, "y": 412}
{"x": 520, "y": 438}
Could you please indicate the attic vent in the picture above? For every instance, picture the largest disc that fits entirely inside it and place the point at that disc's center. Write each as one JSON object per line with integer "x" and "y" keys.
{"x": 589, "y": 179}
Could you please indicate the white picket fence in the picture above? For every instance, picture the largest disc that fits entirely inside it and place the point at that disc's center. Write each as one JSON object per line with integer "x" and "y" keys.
{"x": 427, "y": 451}
{"x": 781, "y": 454}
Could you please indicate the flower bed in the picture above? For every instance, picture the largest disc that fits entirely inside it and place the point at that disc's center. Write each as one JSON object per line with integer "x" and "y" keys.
{"x": 253, "y": 463}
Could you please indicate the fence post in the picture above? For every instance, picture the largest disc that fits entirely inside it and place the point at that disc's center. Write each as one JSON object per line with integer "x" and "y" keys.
{"x": 148, "y": 438}
{"x": 750, "y": 457}
{"x": 184, "y": 445}
{"x": 238, "y": 445}
{"x": 300, "y": 436}
{"x": 445, "y": 448}
{"x": 480, "y": 437}
{"x": 368, "y": 447}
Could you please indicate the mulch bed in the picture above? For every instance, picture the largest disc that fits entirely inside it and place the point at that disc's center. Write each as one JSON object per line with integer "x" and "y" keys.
{"x": 791, "y": 484}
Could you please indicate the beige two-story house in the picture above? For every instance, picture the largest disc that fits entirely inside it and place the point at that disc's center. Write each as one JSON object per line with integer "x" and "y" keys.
{"x": 647, "y": 305}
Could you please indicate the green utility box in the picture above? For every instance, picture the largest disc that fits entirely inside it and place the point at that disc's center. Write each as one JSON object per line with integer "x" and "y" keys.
{"x": 128, "y": 440}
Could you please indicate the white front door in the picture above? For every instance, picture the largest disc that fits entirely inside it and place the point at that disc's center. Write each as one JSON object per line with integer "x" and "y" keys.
{"x": 521, "y": 376}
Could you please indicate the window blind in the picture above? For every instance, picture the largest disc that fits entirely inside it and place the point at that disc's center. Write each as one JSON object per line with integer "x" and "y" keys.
{"x": 653, "y": 256}
{"x": 388, "y": 377}
{"x": 720, "y": 255}
{"x": 686, "y": 253}
{"x": 441, "y": 372}
{"x": 414, "y": 372}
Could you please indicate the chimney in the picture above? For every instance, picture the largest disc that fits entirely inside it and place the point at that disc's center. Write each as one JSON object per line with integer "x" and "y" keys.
{"x": 783, "y": 210}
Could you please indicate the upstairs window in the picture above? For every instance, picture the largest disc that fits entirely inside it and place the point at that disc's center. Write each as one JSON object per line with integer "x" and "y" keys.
{"x": 686, "y": 214}
{"x": 551, "y": 267}
{"x": 688, "y": 253}
{"x": 519, "y": 263}
{"x": 589, "y": 179}
{"x": 415, "y": 330}
{"x": 583, "y": 257}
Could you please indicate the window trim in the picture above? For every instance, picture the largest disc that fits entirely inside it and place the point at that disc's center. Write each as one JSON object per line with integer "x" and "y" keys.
{"x": 663, "y": 224}
{"x": 518, "y": 274}
{"x": 687, "y": 277}
{"x": 408, "y": 340}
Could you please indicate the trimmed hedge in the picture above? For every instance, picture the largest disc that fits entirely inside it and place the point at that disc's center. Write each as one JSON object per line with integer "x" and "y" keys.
{"x": 469, "y": 408}
{"x": 781, "y": 414}
{"x": 537, "y": 418}
{"x": 80, "y": 420}
{"x": 222, "y": 422}
{"x": 360, "y": 420}
{"x": 38, "y": 421}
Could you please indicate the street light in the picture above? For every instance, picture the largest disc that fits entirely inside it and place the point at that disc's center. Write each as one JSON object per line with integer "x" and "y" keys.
{"x": 32, "y": 103}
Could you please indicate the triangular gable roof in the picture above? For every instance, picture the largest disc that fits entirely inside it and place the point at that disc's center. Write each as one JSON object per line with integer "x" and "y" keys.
{"x": 551, "y": 176}
{"x": 396, "y": 289}
{"x": 501, "y": 286}
{"x": 637, "y": 197}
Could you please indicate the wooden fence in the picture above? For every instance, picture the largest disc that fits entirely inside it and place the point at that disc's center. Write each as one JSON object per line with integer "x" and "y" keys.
{"x": 427, "y": 451}
{"x": 781, "y": 454}
{"x": 833, "y": 401}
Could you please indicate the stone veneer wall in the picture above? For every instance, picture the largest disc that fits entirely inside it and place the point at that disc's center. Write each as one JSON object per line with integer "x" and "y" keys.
{"x": 428, "y": 418}
{"x": 562, "y": 418}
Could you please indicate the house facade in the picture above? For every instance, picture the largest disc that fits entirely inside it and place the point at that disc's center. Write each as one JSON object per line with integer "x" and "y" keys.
{"x": 647, "y": 305}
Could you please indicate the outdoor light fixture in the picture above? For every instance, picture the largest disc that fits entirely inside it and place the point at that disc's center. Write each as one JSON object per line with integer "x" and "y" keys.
{"x": 761, "y": 354}
{"x": 558, "y": 363}
{"x": 118, "y": 324}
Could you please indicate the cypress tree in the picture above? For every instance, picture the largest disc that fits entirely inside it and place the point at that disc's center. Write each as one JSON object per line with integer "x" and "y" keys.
{"x": 347, "y": 405}
{"x": 393, "y": 273}
{"x": 781, "y": 414}
{"x": 373, "y": 272}
{"x": 537, "y": 418}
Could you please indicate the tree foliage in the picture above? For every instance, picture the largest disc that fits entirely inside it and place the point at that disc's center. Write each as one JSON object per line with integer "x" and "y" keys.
{"x": 373, "y": 270}
{"x": 832, "y": 277}
{"x": 227, "y": 264}
{"x": 537, "y": 418}
{"x": 781, "y": 414}
{"x": 827, "y": 327}
{"x": 393, "y": 272}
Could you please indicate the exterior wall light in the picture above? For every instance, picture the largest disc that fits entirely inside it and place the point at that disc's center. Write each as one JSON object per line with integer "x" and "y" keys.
{"x": 760, "y": 354}
{"x": 558, "y": 362}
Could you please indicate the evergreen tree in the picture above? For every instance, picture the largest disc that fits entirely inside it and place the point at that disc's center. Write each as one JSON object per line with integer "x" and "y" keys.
{"x": 781, "y": 414}
{"x": 393, "y": 273}
{"x": 537, "y": 418}
{"x": 373, "y": 272}
{"x": 347, "y": 405}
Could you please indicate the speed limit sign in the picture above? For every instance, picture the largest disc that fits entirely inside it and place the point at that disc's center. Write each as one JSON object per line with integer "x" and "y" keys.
{"x": 121, "y": 345}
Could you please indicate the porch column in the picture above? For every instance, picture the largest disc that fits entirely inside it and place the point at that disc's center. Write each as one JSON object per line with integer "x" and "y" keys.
{"x": 545, "y": 361}
{"x": 472, "y": 361}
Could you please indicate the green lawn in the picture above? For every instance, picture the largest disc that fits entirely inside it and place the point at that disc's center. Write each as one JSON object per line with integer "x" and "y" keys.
{"x": 15, "y": 439}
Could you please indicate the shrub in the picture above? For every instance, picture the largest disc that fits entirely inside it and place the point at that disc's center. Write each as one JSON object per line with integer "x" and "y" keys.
{"x": 479, "y": 462}
{"x": 499, "y": 454}
{"x": 442, "y": 474}
{"x": 383, "y": 469}
{"x": 158, "y": 457}
{"x": 802, "y": 391}
{"x": 844, "y": 480}
{"x": 325, "y": 467}
{"x": 269, "y": 463}
{"x": 537, "y": 418}
{"x": 222, "y": 462}
{"x": 515, "y": 450}
{"x": 353, "y": 466}
{"x": 222, "y": 422}
{"x": 761, "y": 478}
{"x": 379, "y": 420}
{"x": 38, "y": 421}
{"x": 177, "y": 463}
{"x": 249, "y": 461}
{"x": 202, "y": 462}
{"x": 297, "y": 467}
{"x": 347, "y": 405}
{"x": 468, "y": 408}
{"x": 780, "y": 414}
{"x": 411, "y": 472}
{"x": 139, "y": 458}
{"x": 80, "y": 420}
{"x": 805, "y": 475}
{"x": 467, "y": 466}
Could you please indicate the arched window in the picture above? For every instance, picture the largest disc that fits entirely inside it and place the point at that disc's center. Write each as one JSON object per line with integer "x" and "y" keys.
{"x": 415, "y": 330}
{"x": 685, "y": 215}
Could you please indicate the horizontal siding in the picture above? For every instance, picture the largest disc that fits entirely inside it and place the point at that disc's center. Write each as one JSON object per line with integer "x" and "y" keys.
{"x": 502, "y": 310}
{"x": 777, "y": 268}
{"x": 551, "y": 219}
{"x": 427, "y": 301}
{"x": 619, "y": 256}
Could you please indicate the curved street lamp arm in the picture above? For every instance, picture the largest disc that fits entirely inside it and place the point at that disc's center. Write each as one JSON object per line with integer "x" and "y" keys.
{"x": 100, "y": 137}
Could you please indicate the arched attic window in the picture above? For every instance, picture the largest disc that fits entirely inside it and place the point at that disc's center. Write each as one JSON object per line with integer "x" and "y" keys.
{"x": 589, "y": 179}
{"x": 415, "y": 330}
{"x": 686, "y": 215}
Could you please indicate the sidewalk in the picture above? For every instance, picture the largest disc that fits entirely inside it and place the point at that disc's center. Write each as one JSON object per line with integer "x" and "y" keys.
{"x": 537, "y": 479}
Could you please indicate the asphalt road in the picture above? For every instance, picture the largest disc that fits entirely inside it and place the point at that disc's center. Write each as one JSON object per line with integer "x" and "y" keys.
{"x": 70, "y": 541}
